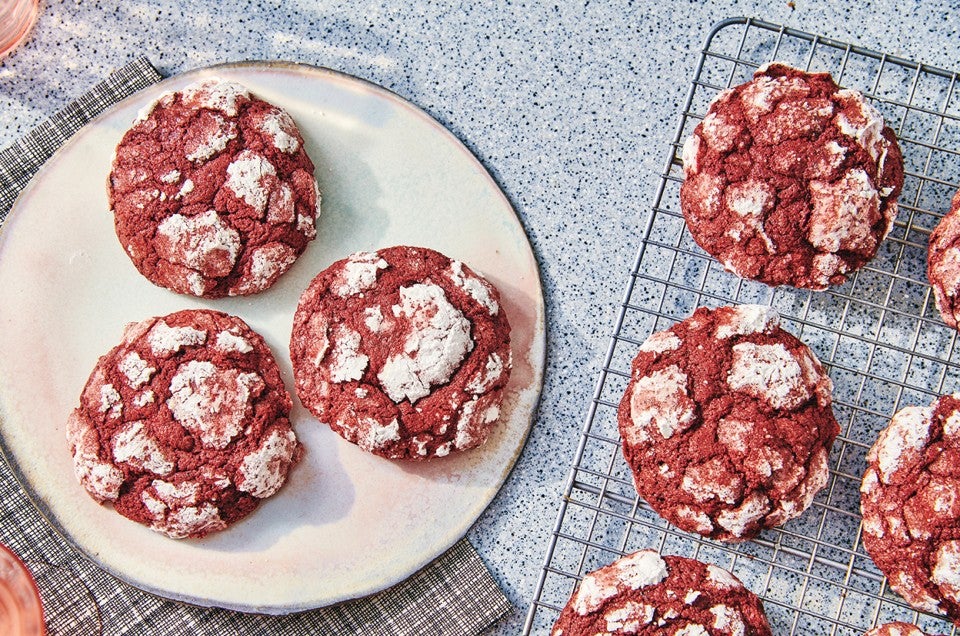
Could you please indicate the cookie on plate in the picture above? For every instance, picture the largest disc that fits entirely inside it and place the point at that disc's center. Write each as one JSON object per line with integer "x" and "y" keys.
{"x": 647, "y": 594}
{"x": 943, "y": 263}
{"x": 895, "y": 629}
{"x": 726, "y": 423}
{"x": 212, "y": 191}
{"x": 910, "y": 500}
{"x": 184, "y": 425}
{"x": 403, "y": 352}
{"x": 790, "y": 180}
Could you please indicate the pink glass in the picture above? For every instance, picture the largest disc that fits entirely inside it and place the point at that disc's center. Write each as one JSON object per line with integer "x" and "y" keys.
{"x": 16, "y": 18}
{"x": 21, "y": 612}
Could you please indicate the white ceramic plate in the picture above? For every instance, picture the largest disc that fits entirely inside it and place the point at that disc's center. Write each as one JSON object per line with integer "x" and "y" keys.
{"x": 347, "y": 523}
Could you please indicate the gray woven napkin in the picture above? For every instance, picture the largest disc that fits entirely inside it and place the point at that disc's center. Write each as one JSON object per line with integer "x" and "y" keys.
{"x": 455, "y": 595}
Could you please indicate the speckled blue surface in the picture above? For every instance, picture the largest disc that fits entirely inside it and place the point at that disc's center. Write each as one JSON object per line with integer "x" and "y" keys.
{"x": 570, "y": 106}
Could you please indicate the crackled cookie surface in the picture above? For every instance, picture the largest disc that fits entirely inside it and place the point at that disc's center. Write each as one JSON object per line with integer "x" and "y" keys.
{"x": 184, "y": 425}
{"x": 943, "y": 263}
{"x": 726, "y": 423}
{"x": 895, "y": 629}
{"x": 791, "y": 180}
{"x": 910, "y": 500}
{"x": 212, "y": 191}
{"x": 403, "y": 352}
{"x": 647, "y": 594}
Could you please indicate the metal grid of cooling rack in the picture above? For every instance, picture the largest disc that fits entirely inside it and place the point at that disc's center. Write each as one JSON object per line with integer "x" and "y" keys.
{"x": 879, "y": 336}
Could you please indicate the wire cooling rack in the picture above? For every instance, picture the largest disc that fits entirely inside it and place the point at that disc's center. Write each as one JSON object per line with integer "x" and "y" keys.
{"x": 879, "y": 336}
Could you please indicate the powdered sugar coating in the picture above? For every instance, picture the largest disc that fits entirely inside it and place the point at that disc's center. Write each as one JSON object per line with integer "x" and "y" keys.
{"x": 428, "y": 358}
{"x": 910, "y": 501}
{"x": 212, "y": 192}
{"x": 895, "y": 629}
{"x": 438, "y": 341}
{"x": 727, "y": 430}
{"x": 196, "y": 430}
{"x": 943, "y": 263}
{"x": 790, "y": 180}
{"x": 646, "y": 594}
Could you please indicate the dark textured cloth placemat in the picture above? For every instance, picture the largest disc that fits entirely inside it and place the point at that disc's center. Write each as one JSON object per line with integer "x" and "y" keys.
{"x": 455, "y": 595}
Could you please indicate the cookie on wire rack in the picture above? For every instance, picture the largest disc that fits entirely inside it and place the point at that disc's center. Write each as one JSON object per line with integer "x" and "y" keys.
{"x": 184, "y": 426}
{"x": 790, "y": 180}
{"x": 943, "y": 263}
{"x": 212, "y": 191}
{"x": 896, "y": 629}
{"x": 402, "y": 351}
{"x": 647, "y": 594}
{"x": 726, "y": 423}
{"x": 910, "y": 501}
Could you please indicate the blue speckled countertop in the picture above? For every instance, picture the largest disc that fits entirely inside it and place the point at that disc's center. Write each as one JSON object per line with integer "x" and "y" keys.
{"x": 569, "y": 105}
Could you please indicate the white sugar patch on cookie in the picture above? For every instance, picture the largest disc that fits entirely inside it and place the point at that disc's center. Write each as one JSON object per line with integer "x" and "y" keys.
{"x": 230, "y": 342}
{"x": 770, "y": 373}
{"x": 175, "y": 511}
{"x": 185, "y": 188}
{"x": 753, "y": 509}
{"x": 359, "y": 274}
{"x": 698, "y": 519}
{"x": 843, "y": 212}
{"x": 719, "y": 134}
{"x": 723, "y": 579}
{"x": 477, "y": 288}
{"x": 629, "y": 618}
{"x": 281, "y": 207}
{"x": 110, "y": 400}
{"x": 218, "y": 133}
{"x": 100, "y": 479}
{"x": 744, "y": 320}
{"x": 438, "y": 341}
{"x": 866, "y": 126}
{"x": 660, "y": 400}
{"x": 267, "y": 262}
{"x": 165, "y": 340}
{"x": 946, "y": 571}
{"x": 373, "y": 318}
{"x": 281, "y": 129}
{"x": 728, "y": 620}
{"x": 661, "y": 342}
{"x": 736, "y": 435}
{"x": 264, "y": 470}
{"x": 132, "y": 444}
{"x": 712, "y": 481}
{"x": 245, "y": 178}
{"x": 203, "y": 243}
{"x": 348, "y": 363}
{"x": 634, "y": 572}
{"x": 215, "y": 94}
{"x": 750, "y": 201}
{"x": 211, "y": 402}
{"x": 374, "y": 435}
{"x": 491, "y": 372}
{"x": 691, "y": 149}
{"x": 137, "y": 371}
{"x": 908, "y": 433}
{"x": 171, "y": 177}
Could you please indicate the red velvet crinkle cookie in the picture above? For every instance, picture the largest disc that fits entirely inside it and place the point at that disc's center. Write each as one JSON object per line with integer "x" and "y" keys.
{"x": 649, "y": 595}
{"x": 910, "y": 500}
{"x": 895, "y": 629}
{"x": 726, "y": 423}
{"x": 184, "y": 425}
{"x": 790, "y": 180}
{"x": 943, "y": 263}
{"x": 212, "y": 191}
{"x": 403, "y": 352}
